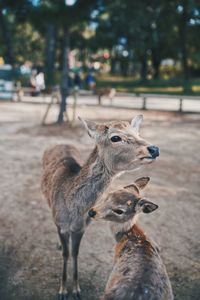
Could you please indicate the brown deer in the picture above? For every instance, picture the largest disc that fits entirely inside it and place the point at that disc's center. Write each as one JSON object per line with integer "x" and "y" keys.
{"x": 138, "y": 272}
{"x": 101, "y": 92}
{"x": 71, "y": 188}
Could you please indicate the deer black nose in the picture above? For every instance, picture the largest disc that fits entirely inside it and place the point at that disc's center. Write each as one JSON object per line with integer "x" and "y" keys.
{"x": 154, "y": 151}
{"x": 92, "y": 213}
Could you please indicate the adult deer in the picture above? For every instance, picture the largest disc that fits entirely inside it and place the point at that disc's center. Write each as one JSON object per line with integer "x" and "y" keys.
{"x": 138, "y": 272}
{"x": 72, "y": 188}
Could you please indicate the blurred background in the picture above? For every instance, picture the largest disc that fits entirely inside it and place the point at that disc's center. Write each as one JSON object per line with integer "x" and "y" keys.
{"x": 131, "y": 46}
{"x": 101, "y": 60}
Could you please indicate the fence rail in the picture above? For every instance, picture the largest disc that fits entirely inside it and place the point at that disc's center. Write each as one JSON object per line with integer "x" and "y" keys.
{"x": 181, "y": 98}
{"x": 123, "y": 100}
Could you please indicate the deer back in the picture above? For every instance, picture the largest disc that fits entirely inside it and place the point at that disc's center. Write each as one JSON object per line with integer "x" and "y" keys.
{"x": 60, "y": 163}
{"x": 138, "y": 271}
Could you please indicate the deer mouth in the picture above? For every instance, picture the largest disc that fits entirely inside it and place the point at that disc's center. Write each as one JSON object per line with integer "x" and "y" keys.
{"x": 147, "y": 158}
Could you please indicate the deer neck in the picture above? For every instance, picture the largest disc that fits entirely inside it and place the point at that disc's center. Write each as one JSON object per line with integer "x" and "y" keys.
{"x": 92, "y": 181}
{"x": 123, "y": 230}
{"x": 133, "y": 238}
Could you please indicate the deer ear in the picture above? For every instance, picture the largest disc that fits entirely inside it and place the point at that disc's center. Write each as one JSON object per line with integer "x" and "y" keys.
{"x": 147, "y": 206}
{"x": 131, "y": 188}
{"x": 136, "y": 122}
{"x": 90, "y": 126}
{"x": 142, "y": 182}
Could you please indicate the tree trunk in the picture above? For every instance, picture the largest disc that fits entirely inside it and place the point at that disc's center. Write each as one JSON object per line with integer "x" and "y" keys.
{"x": 50, "y": 54}
{"x": 156, "y": 64}
{"x": 184, "y": 48}
{"x": 64, "y": 86}
{"x": 124, "y": 66}
{"x": 143, "y": 70}
{"x": 113, "y": 69}
{"x": 9, "y": 57}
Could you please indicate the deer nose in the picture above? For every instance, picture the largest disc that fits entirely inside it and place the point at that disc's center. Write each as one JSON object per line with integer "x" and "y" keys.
{"x": 92, "y": 213}
{"x": 154, "y": 151}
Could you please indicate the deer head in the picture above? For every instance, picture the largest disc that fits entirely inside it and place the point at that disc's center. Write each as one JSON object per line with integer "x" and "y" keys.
{"x": 123, "y": 205}
{"x": 120, "y": 145}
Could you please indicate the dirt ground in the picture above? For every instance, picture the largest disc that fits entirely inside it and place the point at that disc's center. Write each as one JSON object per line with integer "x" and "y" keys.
{"x": 30, "y": 259}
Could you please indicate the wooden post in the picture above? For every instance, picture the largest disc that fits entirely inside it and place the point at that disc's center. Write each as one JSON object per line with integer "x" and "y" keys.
{"x": 144, "y": 103}
{"x": 99, "y": 99}
{"x": 181, "y": 105}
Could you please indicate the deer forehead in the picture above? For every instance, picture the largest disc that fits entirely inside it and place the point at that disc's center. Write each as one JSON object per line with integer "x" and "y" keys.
{"x": 122, "y": 125}
{"x": 122, "y": 128}
{"x": 127, "y": 132}
{"x": 123, "y": 197}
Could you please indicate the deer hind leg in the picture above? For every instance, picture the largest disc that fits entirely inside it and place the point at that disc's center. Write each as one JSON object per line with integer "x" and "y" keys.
{"x": 64, "y": 238}
{"x": 76, "y": 239}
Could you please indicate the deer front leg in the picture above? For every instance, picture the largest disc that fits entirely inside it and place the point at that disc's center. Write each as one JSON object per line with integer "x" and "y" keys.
{"x": 64, "y": 238}
{"x": 76, "y": 239}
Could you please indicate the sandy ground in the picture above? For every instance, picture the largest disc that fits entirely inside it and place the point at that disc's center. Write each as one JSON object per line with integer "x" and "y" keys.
{"x": 30, "y": 262}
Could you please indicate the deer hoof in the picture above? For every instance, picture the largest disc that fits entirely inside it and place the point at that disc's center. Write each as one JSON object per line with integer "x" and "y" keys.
{"x": 77, "y": 295}
{"x": 63, "y": 296}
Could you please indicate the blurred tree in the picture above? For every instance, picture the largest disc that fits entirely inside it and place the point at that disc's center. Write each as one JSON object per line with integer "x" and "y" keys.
{"x": 162, "y": 34}
{"x": 70, "y": 16}
{"x": 65, "y": 16}
{"x": 144, "y": 26}
{"x": 154, "y": 29}
{"x": 7, "y": 40}
{"x": 11, "y": 13}
{"x": 188, "y": 22}
{"x": 46, "y": 12}
{"x": 28, "y": 44}
{"x": 50, "y": 53}
{"x": 129, "y": 31}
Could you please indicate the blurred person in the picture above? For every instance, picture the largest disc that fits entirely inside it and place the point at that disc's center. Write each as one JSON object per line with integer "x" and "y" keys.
{"x": 77, "y": 81}
{"x": 32, "y": 82}
{"x": 40, "y": 83}
{"x": 90, "y": 81}
{"x": 37, "y": 82}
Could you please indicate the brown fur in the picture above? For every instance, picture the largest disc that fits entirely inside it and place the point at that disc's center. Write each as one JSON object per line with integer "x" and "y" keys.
{"x": 58, "y": 162}
{"x": 100, "y": 92}
{"x": 138, "y": 272}
{"x": 137, "y": 234}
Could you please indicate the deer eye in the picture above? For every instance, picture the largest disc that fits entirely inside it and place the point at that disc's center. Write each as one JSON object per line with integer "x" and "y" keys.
{"x": 115, "y": 138}
{"x": 118, "y": 211}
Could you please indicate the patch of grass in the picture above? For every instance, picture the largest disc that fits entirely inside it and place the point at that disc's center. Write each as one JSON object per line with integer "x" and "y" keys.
{"x": 129, "y": 85}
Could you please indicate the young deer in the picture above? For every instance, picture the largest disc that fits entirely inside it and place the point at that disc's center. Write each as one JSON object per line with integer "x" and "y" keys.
{"x": 72, "y": 189}
{"x": 138, "y": 272}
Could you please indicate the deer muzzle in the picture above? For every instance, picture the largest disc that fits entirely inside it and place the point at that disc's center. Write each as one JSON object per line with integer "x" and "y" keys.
{"x": 154, "y": 151}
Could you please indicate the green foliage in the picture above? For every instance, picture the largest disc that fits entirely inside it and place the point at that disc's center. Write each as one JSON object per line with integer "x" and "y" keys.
{"x": 130, "y": 85}
{"x": 28, "y": 44}
{"x": 141, "y": 33}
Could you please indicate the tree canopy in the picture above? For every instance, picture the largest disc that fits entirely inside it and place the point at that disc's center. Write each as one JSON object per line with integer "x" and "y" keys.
{"x": 134, "y": 33}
